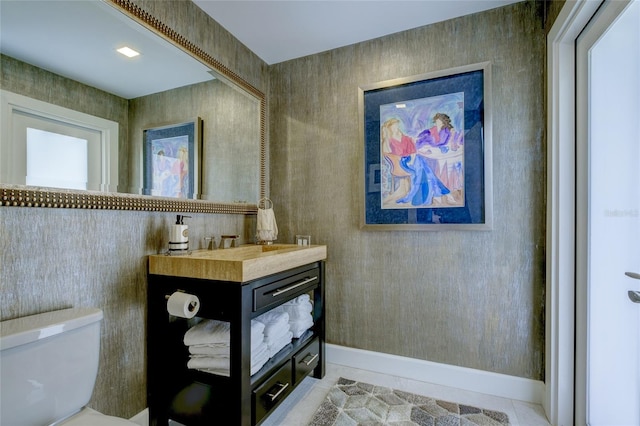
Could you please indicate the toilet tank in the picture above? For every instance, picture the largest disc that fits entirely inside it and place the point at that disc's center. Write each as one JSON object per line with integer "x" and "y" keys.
{"x": 48, "y": 365}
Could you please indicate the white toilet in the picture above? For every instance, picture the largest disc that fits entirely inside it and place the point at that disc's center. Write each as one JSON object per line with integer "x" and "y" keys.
{"x": 48, "y": 366}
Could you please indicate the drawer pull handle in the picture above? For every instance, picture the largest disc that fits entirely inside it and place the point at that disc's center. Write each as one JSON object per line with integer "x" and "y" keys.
{"x": 313, "y": 358}
{"x": 279, "y": 291}
{"x": 274, "y": 396}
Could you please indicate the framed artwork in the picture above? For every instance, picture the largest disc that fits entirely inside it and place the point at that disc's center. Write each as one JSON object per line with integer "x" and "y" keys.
{"x": 427, "y": 151}
{"x": 171, "y": 159}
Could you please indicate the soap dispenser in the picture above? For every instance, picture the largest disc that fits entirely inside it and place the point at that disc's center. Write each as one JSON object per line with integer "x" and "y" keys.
{"x": 179, "y": 236}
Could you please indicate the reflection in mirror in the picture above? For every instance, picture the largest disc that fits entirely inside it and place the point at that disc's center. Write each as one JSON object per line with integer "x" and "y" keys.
{"x": 232, "y": 111}
{"x": 230, "y": 127}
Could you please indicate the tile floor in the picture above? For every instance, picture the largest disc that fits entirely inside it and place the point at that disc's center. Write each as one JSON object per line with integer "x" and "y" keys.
{"x": 301, "y": 405}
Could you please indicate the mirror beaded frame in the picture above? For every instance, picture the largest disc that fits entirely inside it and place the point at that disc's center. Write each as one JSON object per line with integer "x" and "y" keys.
{"x": 25, "y": 196}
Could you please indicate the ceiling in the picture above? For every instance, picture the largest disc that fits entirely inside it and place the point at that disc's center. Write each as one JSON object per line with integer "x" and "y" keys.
{"x": 40, "y": 32}
{"x": 278, "y": 31}
{"x": 78, "y": 40}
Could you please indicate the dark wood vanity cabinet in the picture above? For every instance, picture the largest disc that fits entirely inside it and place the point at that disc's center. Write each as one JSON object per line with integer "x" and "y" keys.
{"x": 192, "y": 397}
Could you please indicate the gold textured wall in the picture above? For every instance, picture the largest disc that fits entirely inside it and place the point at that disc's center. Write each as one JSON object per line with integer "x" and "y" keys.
{"x": 467, "y": 298}
{"x": 59, "y": 258}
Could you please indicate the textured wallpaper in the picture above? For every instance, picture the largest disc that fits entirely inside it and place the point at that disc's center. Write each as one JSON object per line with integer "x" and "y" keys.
{"x": 468, "y": 298}
{"x": 60, "y": 258}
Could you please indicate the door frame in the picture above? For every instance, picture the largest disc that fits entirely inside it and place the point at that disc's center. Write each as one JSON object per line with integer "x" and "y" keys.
{"x": 561, "y": 207}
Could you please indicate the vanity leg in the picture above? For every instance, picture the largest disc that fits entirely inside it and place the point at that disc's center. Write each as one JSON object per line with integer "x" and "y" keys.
{"x": 319, "y": 321}
{"x": 241, "y": 356}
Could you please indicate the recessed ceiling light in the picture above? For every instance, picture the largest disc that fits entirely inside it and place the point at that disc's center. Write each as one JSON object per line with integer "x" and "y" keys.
{"x": 128, "y": 52}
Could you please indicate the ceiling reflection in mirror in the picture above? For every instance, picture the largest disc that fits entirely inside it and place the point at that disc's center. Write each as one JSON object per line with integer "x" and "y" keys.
{"x": 163, "y": 85}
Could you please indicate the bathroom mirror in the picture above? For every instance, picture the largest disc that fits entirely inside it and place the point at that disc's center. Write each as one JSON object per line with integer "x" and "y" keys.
{"x": 232, "y": 111}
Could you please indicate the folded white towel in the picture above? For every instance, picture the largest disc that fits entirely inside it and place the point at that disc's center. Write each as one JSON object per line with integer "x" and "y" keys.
{"x": 274, "y": 339}
{"x": 209, "y": 362}
{"x": 222, "y": 348}
{"x": 274, "y": 322}
{"x": 300, "y": 317}
{"x": 259, "y": 358}
{"x": 220, "y": 364}
{"x": 257, "y": 332}
{"x": 214, "y": 331}
{"x": 279, "y": 344}
{"x": 296, "y": 310}
{"x": 260, "y": 352}
{"x": 208, "y": 331}
{"x": 300, "y": 326}
{"x": 225, "y": 371}
{"x": 210, "y": 350}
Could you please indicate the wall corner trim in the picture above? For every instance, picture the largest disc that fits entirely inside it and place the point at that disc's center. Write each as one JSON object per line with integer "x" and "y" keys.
{"x": 470, "y": 379}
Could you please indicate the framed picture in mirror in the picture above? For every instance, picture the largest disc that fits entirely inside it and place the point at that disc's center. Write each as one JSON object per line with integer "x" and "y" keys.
{"x": 171, "y": 159}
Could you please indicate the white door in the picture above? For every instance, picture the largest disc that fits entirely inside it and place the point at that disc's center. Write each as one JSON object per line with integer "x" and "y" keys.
{"x": 608, "y": 217}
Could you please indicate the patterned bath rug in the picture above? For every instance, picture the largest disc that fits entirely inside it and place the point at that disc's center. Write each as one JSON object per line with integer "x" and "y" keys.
{"x": 358, "y": 404}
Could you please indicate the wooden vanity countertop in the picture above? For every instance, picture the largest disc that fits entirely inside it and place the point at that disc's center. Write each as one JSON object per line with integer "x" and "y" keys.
{"x": 239, "y": 264}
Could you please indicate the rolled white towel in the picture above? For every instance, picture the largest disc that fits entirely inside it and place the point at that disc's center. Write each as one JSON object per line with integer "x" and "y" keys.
{"x": 296, "y": 311}
{"x": 299, "y": 306}
{"x": 303, "y": 300}
{"x": 300, "y": 299}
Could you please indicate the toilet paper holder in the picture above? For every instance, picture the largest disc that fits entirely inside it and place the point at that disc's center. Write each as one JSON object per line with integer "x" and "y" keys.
{"x": 193, "y": 306}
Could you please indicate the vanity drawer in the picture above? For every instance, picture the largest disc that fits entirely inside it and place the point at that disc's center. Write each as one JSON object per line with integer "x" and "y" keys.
{"x": 282, "y": 290}
{"x": 306, "y": 360}
{"x": 270, "y": 393}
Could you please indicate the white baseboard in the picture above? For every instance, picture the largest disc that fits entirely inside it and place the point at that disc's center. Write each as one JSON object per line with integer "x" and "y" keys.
{"x": 142, "y": 418}
{"x": 486, "y": 382}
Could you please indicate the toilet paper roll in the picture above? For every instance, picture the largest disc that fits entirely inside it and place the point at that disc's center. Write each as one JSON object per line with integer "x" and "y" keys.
{"x": 183, "y": 305}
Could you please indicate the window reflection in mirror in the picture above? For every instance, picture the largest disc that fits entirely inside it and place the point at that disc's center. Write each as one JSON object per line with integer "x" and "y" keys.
{"x": 55, "y": 159}
{"x": 41, "y": 144}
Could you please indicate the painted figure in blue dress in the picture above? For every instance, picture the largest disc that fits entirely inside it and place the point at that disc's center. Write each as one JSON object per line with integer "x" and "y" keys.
{"x": 425, "y": 184}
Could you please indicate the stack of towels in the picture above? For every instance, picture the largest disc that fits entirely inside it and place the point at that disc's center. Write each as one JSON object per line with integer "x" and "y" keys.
{"x": 209, "y": 340}
{"x": 299, "y": 311}
{"x": 209, "y": 347}
{"x": 277, "y": 333}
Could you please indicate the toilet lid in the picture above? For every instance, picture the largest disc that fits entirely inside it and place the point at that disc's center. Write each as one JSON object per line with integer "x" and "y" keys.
{"x": 89, "y": 417}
